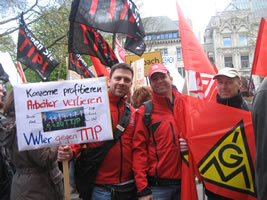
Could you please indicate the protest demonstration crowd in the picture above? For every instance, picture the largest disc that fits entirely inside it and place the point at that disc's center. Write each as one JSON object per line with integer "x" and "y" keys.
{"x": 125, "y": 141}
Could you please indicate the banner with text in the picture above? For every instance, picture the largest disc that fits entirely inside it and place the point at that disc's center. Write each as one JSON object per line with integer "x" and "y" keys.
{"x": 32, "y": 53}
{"x": 62, "y": 113}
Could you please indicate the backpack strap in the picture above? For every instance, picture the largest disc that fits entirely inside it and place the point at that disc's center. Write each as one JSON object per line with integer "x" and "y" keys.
{"x": 148, "y": 112}
{"x": 123, "y": 122}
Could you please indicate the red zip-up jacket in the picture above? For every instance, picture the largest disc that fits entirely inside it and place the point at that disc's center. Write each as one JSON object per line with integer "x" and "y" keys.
{"x": 156, "y": 154}
{"x": 117, "y": 166}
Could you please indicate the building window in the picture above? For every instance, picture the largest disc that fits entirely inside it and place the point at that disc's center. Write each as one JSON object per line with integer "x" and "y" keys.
{"x": 228, "y": 62}
{"x": 164, "y": 52}
{"x": 175, "y": 35}
{"x": 166, "y": 35}
{"x": 227, "y": 42}
{"x": 244, "y": 61}
{"x": 179, "y": 54}
{"x": 243, "y": 40}
{"x": 154, "y": 37}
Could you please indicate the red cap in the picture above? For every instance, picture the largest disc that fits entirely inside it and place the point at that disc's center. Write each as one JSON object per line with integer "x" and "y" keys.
{"x": 157, "y": 68}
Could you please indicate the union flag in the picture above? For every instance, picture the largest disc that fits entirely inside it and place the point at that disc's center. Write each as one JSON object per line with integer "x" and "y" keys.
{"x": 222, "y": 144}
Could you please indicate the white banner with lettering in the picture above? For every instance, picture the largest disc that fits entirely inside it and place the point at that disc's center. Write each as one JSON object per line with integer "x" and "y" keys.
{"x": 62, "y": 113}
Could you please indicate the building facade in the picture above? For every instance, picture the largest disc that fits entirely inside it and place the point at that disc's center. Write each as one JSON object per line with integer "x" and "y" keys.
{"x": 230, "y": 36}
{"x": 162, "y": 34}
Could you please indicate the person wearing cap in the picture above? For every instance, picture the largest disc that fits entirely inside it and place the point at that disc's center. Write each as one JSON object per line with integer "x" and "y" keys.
{"x": 228, "y": 93}
{"x": 228, "y": 88}
{"x": 157, "y": 148}
{"x": 259, "y": 118}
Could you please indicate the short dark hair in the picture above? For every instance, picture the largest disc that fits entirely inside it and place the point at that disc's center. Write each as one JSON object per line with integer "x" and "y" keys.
{"x": 120, "y": 66}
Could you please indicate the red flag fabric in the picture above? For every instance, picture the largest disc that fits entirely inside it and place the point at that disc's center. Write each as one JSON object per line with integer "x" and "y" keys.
{"x": 209, "y": 87}
{"x": 194, "y": 56}
{"x": 21, "y": 73}
{"x": 120, "y": 52}
{"x": 100, "y": 69}
{"x": 188, "y": 186}
{"x": 222, "y": 144}
{"x": 259, "y": 66}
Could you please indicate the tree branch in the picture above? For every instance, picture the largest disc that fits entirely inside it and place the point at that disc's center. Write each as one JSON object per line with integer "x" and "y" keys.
{"x": 17, "y": 17}
{"x": 55, "y": 41}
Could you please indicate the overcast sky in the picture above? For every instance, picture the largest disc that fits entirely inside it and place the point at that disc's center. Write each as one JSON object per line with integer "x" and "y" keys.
{"x": 199, "y": 11}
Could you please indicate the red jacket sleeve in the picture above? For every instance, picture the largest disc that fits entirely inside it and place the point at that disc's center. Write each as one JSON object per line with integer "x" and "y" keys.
{"x": 140, "y": 153}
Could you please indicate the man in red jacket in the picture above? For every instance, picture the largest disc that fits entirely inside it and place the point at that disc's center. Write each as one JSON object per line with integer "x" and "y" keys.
{"x": 115, "y": 171}
{"x": 157, "y": 149}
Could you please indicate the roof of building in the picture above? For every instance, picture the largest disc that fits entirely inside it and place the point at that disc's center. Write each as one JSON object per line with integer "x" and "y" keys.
{"x": 159, "y": 24}
{"x": 259, "y": 7}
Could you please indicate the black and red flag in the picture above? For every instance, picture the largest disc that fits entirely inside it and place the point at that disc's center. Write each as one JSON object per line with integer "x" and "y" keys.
{"x": 77, "y": 64}
{"x": 115, "y": 16}
{"x": 86, "y": 40}
{"x": 32, "y": 53}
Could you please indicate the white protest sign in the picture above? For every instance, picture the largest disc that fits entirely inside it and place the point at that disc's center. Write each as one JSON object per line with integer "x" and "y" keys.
{"x": 10, "y": 68}
{"x": 139, "y": 78}
{"x": 62, "y": 113}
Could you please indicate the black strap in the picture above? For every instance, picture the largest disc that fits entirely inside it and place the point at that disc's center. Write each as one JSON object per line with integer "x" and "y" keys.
{"x": 123, "y": 122}
{"x": 148, "y": 112}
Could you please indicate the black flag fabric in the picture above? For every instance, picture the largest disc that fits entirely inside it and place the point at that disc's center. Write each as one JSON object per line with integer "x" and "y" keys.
{"x": 77, "y": 64}
{"x": 115, "y": 16}
{"x": 135, "y": 45}
{"x": 86, "y": 40}
{"x": 32, "y": 53}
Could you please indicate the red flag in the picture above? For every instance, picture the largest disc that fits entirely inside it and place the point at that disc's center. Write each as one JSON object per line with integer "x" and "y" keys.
{"x": 120, "y": 52}
{"x": 21, "y": 73}
{"x": 209, "y": 87}
{"x": 188, "y": 186}
{"x": 193, "y": 54}
{"x": 100, "y": 69}
{"x": 222, "y": 144}
{"x": 259, "y": 66}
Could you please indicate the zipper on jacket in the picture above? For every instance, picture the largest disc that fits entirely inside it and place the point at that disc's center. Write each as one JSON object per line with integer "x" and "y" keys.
{"x": 118, "y": 107}
{"x": 121, "y": 160}
{"x": 173, "y": 135}
{"x": 157, "y": 156}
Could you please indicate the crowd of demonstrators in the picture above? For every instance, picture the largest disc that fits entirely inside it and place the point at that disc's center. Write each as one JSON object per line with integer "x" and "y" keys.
{"x": 245, "y": 92}
{"x": 37, "y": 174}
{"x": 228, "y": 93}
{"x": 143, "y": 163}
{"x": 156, "y": 148}
{"x": 114, "y": 176}
{"x": 259, "y": 118}
{"x": 141, "y": 95}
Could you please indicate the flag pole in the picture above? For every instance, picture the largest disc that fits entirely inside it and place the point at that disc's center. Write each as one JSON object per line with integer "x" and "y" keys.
{"x": 113, "y": 41}
{"x": 67, "y": 68}
{"x": 250, "y": 81}
{"x": 66, "y": 179}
